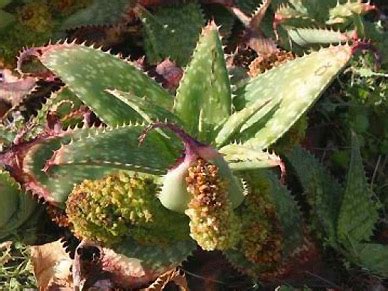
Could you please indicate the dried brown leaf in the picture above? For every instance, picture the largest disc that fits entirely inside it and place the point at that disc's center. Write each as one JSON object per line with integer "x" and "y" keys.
{"x": 5, "y": 249}
{"x": 52, "y": 266}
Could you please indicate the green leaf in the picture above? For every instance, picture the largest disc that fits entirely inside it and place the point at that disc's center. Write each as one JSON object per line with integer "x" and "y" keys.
{"x": 309, "y": 36}
{"x": 304, "y": 12}
{"x": 203, "y": 98}
{"x": 17, "y": 207}
{"x": 98, "y": 13}
{"x": 297, "y": 84}
{"x": 322, "y": 191}
{"x": 91, "y": 153}
{"x": 342, "y": 13}
{"x": 150, "y": 112}
{"x": 9, "y": 192}
{"x": 373, "y": 257}
{"x": 241, "y": 120}
{"x": 172, "y": 32}
{"x": 54, "y": 188}
{"x": 288, "y": 213}
{"x": 295, "y": 11}
{"x": 117, "y": 148}
{"x": 89, "y": 72}
{"x": 222, "y": 17}
{"x": 241, "y": 158}
{"x": 359, "y": 212}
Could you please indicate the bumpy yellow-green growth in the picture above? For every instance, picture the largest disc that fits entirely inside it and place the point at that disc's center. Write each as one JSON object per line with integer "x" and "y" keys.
{"x": 261, "y": 236}
{"x": 212, "y": 221}
{"x": 121, "y": 206}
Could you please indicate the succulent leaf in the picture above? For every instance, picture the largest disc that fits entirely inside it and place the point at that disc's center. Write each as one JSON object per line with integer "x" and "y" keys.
{"x": 98, "y": 13}
{"x": 297, "y": 84}
{"x": 343, "y": 12}
{"x": 304, "y": 11}
{"x": 247, "y": 6}
{"x": 322, "y": 191}
{"x": 9, "y": 197}
{"x": 150, "y": 112}
{"x": 222, "y": 17}
{"x": 63, "y": 102}
{"x": 289, "y": 214}
{"x": 17, "y": 208}
{"x": 373, "y": 257}
{"x": 253, "y": 34}
{"x": 91, "y": 80}
{"x": 358, "y": 213}
{"x": 258, "y": 16}
{"x": 173, "y": 194}
{"x": 310, "y": 36}
{"x": 286, "y": 12}
{"x": 240, "y": 120}
{"x": 242, "y": 158}
{"x": 172, "y": 32}
{"x": 54, "y": 188}
{"x": 93, "y": 153}
{"x": 117, "y": 148}
{"x": 203, "y": 98}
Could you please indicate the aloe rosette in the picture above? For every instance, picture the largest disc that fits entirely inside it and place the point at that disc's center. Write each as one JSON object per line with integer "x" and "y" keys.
{"x": 143, "y": 201}
{"x": 347, "y": 225}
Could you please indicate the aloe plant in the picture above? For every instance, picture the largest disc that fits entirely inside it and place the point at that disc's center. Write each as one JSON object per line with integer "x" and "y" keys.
{"x": 347, "y": 226}
{"x": 141, "y": 201}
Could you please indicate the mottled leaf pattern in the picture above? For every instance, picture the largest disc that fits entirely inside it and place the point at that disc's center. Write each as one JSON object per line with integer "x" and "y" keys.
{"x": 203, "y": 98}
{"x": 359, "y": 212}
{"x": 297, "y": 84}
{"x": 101, "y": 71}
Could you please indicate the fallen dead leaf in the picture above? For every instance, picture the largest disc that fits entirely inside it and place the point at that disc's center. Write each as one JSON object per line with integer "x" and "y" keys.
{"x": 52, "y": 266}
{"x": 5, "y": 249}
